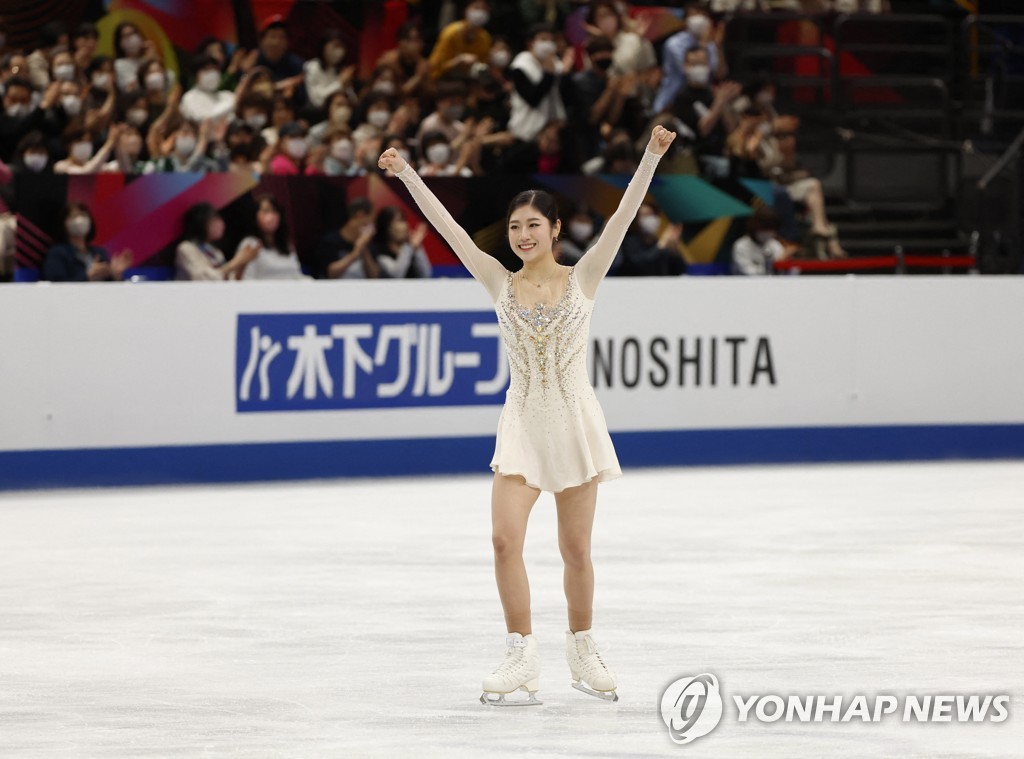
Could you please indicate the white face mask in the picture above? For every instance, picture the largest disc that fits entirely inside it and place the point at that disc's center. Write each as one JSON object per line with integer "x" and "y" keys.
{"x": 649, "y": 224}
{"x": 77, "y": 226}
{"x": 81, "y": 151}
{"x": 378, "y": 118}
{"x": 18, "y": 110}
{"x": 764, "y": 237}
{"x": 544, "y": 49}
{"x": 342, "y": 150}
{"x": 698, "y": 75}
{"x": 137, "y": 116}
{"x": 65, "y": 72}
{"x": 500, "y": 58}
{"x": 132, "y": 44}
{"x": 477, "y": 16}
{"x": 208, "y": 81}
{"x": 35, "y": 161}
{"x": 386, "y": 86}
{"x": 184, "y": 144}
{"x": 155, "y": 81}
{"x": 256, "y": 120}
{"x": 406, "y": 156}
{"x": 296, "y": 147}
{"x": 698, "y": 25}
{"x": 101, "y": 81}
{"x": 335, "y": 55}
{"x": 72, "y": 104}
{"x": 581, "y": 230}
{"x": 439, "y": 153}
{"x": 341, "y": 114}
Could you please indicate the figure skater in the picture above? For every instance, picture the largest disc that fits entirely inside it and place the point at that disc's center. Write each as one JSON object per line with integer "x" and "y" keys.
{"x": 552, "y": 433}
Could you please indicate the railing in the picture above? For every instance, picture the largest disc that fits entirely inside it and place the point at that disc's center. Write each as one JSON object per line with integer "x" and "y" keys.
{"x": 997, "y": 237}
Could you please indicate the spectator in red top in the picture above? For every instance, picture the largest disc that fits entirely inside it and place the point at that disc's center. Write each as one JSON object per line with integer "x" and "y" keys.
{"x": 291, "y": 151}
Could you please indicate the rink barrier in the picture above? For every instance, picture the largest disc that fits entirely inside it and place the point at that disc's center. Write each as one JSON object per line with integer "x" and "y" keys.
{"x": 210, "y": 464}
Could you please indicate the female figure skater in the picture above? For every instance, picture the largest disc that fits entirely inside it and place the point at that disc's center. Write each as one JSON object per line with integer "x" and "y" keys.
{"x": 552, "y": 433}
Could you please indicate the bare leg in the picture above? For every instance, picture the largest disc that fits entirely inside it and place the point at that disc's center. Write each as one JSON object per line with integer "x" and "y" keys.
{"x": 815, "y": 200}
{"x": 576, "y": 508}
{"x": 511, "y": 502}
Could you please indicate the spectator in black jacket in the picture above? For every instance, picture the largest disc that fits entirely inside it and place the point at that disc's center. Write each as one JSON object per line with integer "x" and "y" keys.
{"x": 74, "y": 259}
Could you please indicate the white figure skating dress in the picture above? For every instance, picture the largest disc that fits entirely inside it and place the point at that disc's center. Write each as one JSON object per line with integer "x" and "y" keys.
{"x": 551, "y": 430}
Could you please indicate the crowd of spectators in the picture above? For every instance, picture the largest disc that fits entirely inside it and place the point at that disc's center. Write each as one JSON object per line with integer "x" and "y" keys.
{"x": 475, "y": 103}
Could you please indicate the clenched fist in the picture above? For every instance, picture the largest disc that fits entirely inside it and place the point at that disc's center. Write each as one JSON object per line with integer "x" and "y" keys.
{"x": 391, "y": 161}
{"x": 661, "y": 138}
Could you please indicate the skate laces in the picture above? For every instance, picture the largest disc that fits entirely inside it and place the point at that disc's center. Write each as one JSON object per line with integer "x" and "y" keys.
{"x": 515, "y": 656}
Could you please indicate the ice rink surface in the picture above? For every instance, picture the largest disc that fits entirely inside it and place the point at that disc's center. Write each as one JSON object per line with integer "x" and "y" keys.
{"x": 357, "y": 618}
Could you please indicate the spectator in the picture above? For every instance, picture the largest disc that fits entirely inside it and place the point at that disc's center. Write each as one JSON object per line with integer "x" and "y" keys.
{"x": 541, "y": 155}
{"x": 644, "y": 253}
{"x": 338, "y": 112}
{"x": 326, "y": 74}
{"x": 62, "y": 68}
{"x": 341, "y": 160}
{"x": 81, "y": 157}
{"x": 157, "y": 83}
{"x": 133, "y": 109}
{"x": 128, "y": 151}
{"x": 580, "y": 233}
{"x": 347, "y": 252}
{"x": 758, "y": 250}
{"x": 83, "y": 44}
{"x": 535, "y": 74}
{"x": 451, "y": 105}
{"x": 53, "y": 38}
{"x": 700, "y": 32}
{"x": 32, "y": 154}
{"x": 206, "y": 100}
{"x": 633, "y": 54}
{"x": 399, "y": 253}
{"x": 285, "y": 67}
{"x": 463, "y": 43}
{"x": 706, "y": 113}
{"x": 379, "y": 109}
{"x": 289, "y": 156}
{"x": 488, "y": 101}
{"x": 602, "y": 102}
{"x": 74, "y": 259}
{"x": 100, "y": 77}
{"x": 276, "y": 257}
{"x": 131, "y": 50}
{"x": 183, "y": 150}
{"x": 619, "y": 156}
{"x": 407, "y": 61}
{"x": 437, "y": 157}
{"x": 198, "y": 258}
{"x": 21, "y": 116}
{"x": 399, "y": 143}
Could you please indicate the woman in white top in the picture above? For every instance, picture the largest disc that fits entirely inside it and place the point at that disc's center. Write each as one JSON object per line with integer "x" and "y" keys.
{"x": 758, "y": 250}
{"x": 324, "y": 75}
{"x": 131, "y": 50}
{"x": 81, "y": 158}
{"x": 400, "y": 252}
{"x": 276, "y": 258}
{"x": 197, "y": 256}
{"x": 535, "y": 100}
{"x": 633, "y": 54}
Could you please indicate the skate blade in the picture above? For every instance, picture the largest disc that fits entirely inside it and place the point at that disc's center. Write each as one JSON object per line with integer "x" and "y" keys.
{"x": 608, "y": 695}
{"x": 485, "y": 698}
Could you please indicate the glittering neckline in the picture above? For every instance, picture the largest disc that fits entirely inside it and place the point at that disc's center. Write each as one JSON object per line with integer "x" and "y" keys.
{"x": 541, "y": 306}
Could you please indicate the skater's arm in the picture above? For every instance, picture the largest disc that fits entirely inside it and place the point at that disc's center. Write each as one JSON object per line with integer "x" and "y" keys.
{"x": 487, "y": 269}
{"x": 594, "y": 264}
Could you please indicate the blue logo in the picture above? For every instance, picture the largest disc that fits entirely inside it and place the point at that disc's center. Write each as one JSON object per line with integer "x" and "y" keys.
{"x": 303, "y": 362}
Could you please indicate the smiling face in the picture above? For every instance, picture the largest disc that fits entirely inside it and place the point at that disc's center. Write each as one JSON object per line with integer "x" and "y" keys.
{"x": 530, "y": 234}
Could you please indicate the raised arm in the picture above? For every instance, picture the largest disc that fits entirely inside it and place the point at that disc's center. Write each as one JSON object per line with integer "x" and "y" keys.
{"x": 487, "y": 269}
{"x": 594, "y": 264}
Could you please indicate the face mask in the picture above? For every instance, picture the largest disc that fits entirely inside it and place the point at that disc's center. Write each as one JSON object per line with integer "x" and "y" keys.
{"x": 65, "y": 72}
{"x": 439, "y": 153}
{"x": 698, "y": 75}
{"x": 544, "y": 48}
{"x": 477, "y": 16}
{"x": 379, "y": 119}
{"x": 698, "y": 25}
{"x": 406, "y": 156}
{"x": 764, "y": 237}
{"x": 341, "y": 114}
{"x": 132, "y": 44}
{"x": 184, "y": 144}
{"x": 155, "y": 81}
{"x": 335, "y": 55}
{"x": 387, "y": 87}
{"x": 72, "y": 104}
{"x": 581, "y": 230}
{"x": 81, "y": 151}
{"x": 35, "y": 161}
{"x": 256, "y": 120}
{"x": 137, "y": 116}
{"x": 649, "y": 224}
{"x": 132, "y": 146}
{"x": 17, "y": 110}
{"x": 78, "y": 226}
{"x": 454, "y": 112}
{"x": 208, "y": 81}
{"x": 296, "y": 146}
{"x": 101, "y": 81}
{"x": 342, "y": 150}
{"x": 500, "y": 58}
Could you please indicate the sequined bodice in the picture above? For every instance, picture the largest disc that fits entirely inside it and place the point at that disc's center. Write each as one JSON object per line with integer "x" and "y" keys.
{"x": 546, "y": 345}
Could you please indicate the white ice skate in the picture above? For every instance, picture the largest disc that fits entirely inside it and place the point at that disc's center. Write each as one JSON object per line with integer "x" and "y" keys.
{"x": 520, "y": 670}
{"x": 586, "y": 665}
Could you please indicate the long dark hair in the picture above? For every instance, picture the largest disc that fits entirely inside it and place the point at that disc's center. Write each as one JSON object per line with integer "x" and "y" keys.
{"x": 282, "y": 240}
{"x": 70, "y": 208}
{"x": 382, "y": 224}
{"x": 542, "y": 200}
{"x": 196, "y": 220}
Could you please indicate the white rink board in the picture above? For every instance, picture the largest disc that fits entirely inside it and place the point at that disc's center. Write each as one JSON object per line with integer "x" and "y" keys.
{"x": 123, "y": 365}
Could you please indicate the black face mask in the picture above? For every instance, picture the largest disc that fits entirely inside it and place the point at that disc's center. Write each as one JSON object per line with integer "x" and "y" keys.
{"x": 603, "y": 63}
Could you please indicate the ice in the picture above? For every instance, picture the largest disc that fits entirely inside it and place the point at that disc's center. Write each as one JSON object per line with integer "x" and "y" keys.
{"x": 357, "y": 618}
